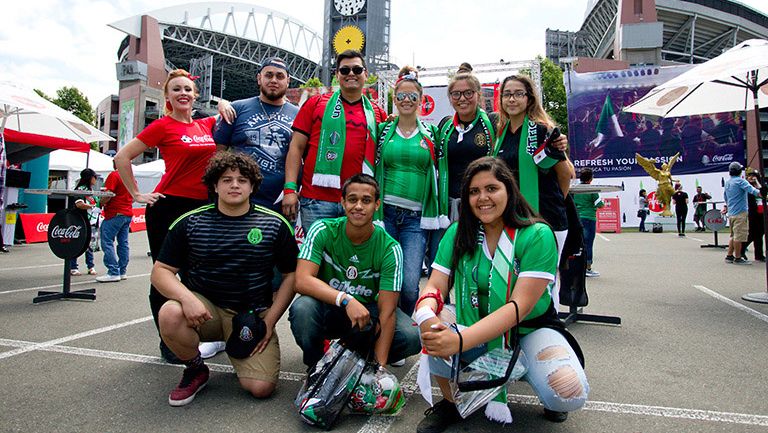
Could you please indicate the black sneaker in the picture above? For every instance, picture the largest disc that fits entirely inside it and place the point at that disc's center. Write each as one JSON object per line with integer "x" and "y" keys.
{"x": 439, "y": 417}
{"x": 555, "y": 416}
{"x": 729, "y": 259}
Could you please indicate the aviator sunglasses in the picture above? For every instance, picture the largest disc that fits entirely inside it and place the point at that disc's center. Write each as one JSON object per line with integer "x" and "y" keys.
{"x": 402, "y": 96}
{"x": 357, "y": 70}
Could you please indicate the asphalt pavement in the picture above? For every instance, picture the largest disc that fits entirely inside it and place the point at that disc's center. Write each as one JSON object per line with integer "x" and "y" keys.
{"x": 689, "y": 356}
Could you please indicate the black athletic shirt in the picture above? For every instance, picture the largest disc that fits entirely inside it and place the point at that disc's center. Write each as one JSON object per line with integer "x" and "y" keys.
{"x": 551, "y": 200}
{"x": 229, "y": 260}
{"x": 474, "y": 145}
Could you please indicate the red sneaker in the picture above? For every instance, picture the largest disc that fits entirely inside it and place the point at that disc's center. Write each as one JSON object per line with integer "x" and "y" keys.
{"x": 192, "y": 381}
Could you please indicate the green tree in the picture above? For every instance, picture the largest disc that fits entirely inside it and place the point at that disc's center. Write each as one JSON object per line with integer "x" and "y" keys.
{"x": 553, "y": 92}
{"x": 312, "y": 83}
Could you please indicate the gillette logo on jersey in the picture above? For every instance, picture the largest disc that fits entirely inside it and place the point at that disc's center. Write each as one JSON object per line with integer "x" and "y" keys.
{"x": 347, "y": 287}
{"x": 205, "y": 139}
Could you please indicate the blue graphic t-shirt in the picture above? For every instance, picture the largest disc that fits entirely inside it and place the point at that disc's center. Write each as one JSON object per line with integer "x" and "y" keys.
{"x": 263, "y": 131}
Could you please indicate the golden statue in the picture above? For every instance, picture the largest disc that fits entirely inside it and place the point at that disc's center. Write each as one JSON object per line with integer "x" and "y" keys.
{"x": 664, "y": 177}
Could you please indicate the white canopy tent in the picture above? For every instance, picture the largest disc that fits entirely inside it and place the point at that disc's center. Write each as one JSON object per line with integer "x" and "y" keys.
{"x": 148, "y": 175}
{"x": 74, "y": 162}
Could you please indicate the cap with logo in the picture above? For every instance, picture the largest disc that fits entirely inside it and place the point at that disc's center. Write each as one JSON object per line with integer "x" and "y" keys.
{"x": 247, "y": 330}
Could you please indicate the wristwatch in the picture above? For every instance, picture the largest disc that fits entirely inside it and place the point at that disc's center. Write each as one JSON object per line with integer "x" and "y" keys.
{"x": 345, "y": 301}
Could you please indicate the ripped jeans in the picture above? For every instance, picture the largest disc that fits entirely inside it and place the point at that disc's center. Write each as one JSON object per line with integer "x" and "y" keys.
{"x": 553, "y": 370}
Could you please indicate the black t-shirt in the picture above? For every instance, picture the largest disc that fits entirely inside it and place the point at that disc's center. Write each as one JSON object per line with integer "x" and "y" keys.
{"x": 551, "y": 200}
{"x": 680, "y": 198}
{"x": 474, "y": 145}
{"x": 229, "y": 260}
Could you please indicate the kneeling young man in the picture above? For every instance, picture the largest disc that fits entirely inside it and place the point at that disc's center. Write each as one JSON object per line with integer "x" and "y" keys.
{"x": 225, "y": 253}
{"x": 350, "y": 271}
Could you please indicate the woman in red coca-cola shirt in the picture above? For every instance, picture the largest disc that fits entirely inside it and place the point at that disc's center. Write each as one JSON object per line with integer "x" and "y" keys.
{"x": 186, "y": 145}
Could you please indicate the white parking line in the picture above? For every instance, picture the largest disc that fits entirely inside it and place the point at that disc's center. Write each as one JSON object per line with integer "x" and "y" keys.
{"x": 695, "y": 239}
{"x": 380, "y": 424}
{"x": 32, "y": 267}
{"x": 58, "y": 286}
{"x": 733, "y": 303}
{"x": 603, "y": 237}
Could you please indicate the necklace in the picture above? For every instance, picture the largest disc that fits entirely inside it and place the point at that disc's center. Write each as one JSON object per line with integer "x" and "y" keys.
{"x": 264, "y": 110}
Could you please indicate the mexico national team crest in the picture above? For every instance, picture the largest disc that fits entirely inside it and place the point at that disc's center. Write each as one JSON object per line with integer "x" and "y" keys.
{"x": 516, "y": 267}
{"x": 480, "y": 140}
{"x": 351, "y": 272}
{"x": 255, "y": 236}
{"x": 246, "y": 334}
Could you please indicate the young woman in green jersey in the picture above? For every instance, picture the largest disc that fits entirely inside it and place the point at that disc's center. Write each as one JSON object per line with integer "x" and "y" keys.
{"x": 407, "y": 167}
{"x": 498, "y": 254}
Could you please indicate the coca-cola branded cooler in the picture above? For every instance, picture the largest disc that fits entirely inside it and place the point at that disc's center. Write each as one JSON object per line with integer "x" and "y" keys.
{"x": 35, "y": 226}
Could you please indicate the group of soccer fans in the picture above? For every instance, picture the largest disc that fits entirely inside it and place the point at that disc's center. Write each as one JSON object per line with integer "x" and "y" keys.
{"x": 376, "y": 197}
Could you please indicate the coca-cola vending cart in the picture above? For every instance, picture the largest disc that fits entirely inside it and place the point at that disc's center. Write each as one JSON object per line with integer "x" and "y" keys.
{"x": 69, "y": 235}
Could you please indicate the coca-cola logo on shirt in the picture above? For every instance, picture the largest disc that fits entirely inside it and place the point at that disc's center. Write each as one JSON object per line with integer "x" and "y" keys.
{"x": 205, "y": 139}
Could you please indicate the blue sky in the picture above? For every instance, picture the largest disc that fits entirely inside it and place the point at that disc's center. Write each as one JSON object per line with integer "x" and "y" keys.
{"x": 48, "y": 44}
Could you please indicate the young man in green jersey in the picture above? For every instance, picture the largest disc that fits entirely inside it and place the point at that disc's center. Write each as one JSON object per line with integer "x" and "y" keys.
{"x": 349, "y": 273}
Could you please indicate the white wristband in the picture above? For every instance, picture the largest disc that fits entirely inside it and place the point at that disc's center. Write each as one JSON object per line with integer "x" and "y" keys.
{"x": 423, "y": 314}
{"x": 338, "y": 298}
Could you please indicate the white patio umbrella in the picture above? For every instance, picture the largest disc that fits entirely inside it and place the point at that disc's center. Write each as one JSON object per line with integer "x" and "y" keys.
{"x": 736, "y": 80}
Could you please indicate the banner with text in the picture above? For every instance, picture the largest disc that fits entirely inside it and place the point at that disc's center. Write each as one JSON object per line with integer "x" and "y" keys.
{"x": 605, "y": 139}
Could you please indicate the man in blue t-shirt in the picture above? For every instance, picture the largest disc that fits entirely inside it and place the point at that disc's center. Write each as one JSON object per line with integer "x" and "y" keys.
{"x": 736, "y": 190}
{"x": 262, "y": 129}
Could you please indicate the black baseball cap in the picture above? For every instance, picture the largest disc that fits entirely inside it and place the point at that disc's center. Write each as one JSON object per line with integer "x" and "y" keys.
{"x": 276, "y": 62}
{"x": 247, "y": 330}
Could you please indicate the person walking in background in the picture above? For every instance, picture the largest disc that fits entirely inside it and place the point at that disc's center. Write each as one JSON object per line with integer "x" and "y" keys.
{"x": 700, "y": 208}
{"x": 118, "y": 212}
{"x": 755, "y": 218}
{"x": 736, "y": 207}
{"x": 680, "y": 198}
{"x": 186, "y": 145}
{"x": 587, "y": 205}
{"x": 88, "y": 206}
{"x": 642, "y": 210}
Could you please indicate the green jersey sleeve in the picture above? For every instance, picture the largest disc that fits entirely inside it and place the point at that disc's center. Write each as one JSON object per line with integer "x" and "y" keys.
{"x": 444, "y": 257}
{"x": 314, "y": 243}
{"x": 391, "y": 274}
{"x": 537, "y": 251}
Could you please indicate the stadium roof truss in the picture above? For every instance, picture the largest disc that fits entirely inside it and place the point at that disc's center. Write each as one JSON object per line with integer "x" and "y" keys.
{"x": 239, "y": 36}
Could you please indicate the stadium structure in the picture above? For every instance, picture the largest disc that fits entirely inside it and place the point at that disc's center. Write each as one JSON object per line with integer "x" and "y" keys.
{"x": 660, "y": 32}
{"x": 223, "y": 43}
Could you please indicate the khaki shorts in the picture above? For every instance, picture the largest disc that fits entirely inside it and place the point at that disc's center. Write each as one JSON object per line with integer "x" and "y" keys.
{"x": 739, "y": 227}
{"x": 261, "y": 366}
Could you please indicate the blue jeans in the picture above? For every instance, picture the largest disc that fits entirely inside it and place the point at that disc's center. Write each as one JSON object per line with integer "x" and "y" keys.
{"x": 589, "y": 237}
{"x": 405, "y": 226}
{"x": 533, "y": 347}
{"x": 115, "y": 228}
{"x": 88, "y": 260}
{"x": 313, "y": 321}
{"x": 312, "y": 210}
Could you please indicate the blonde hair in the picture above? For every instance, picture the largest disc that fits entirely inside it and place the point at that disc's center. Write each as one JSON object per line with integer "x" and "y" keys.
{"x": 533, "y": 108}
{"x": 176, "y": 73}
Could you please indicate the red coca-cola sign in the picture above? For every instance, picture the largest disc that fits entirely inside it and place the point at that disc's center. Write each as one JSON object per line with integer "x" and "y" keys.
{"x": 68, "y": 234}
{"x": 35, "y": 226}
{"x": 714, "y": 220}
{"x": 139, "y": 219}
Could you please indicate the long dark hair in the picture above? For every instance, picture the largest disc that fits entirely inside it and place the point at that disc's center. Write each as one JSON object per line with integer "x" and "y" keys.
{"x": 517, "y": 214}
{"x": 85, "y": 178}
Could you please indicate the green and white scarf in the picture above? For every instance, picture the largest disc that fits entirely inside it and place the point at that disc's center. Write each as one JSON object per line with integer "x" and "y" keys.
{"x": 531, "y": 156}
{"x": 434, "y": 203}
{"x": 333, "y": 140}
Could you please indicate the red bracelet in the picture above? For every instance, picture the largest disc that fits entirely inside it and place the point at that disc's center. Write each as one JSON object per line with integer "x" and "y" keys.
{"x": 436, "y": 296}
{"x": 289, "y": 191}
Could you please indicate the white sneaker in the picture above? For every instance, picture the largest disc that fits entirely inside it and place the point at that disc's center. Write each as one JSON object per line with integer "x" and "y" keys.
{"x": 108, "y": 278}
{"x": 123, "y": 277}
{"x": 209, "y": 349}
{"x": 592, "y": 274}
{"x": 399, "y": 363}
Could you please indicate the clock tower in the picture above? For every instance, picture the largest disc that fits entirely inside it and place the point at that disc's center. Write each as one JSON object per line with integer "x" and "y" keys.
{"x": 361, "y": 25}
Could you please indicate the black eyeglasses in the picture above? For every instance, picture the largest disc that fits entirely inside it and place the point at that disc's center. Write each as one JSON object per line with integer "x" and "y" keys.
{"x": 413, "y": 96}
{"x": 345, "y": 70}
{"x": 456, "y": 95}
{"x": 520, "y": 94}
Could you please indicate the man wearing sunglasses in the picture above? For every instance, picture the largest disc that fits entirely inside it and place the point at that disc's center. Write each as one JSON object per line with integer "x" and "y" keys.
{"x": 262, "y": 129}
{"x": 335, "y": 134}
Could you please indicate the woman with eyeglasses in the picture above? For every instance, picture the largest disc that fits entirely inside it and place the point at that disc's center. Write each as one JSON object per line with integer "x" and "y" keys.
{"x": 407, "y": 167}
{"x": 542, "y": 171}
{"x": 499, "y": 258}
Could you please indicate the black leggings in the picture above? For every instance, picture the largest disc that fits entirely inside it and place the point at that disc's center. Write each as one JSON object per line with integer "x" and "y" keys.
{"x": 159, "y": 217}
{"x": 681, "y": 215}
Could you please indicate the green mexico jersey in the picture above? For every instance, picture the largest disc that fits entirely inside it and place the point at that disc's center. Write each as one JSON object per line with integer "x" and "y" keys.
{"x": 406, "y": 161}
{"x": 535, "y": 257}
{"x": 360, "y": 270}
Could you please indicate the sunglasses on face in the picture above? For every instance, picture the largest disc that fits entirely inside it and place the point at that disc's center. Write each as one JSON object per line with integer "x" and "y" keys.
{"x": 412, "y": 96}
{"x": 357, "y": 70}
{"x": 456, "y": 95}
